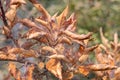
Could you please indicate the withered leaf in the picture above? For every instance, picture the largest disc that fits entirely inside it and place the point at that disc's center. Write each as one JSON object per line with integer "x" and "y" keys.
{"x": 77, "y": 36}
{"x": 41, "y": 9}
{"x": 61, "y": 18}
{"x": 22, "y": 52}
{"x": 83, "y": 58}
{"x": 36, "y": 35}
{"x": 41, "y": 65}
{"x": 29, "y": 73}
{"x": 28, "y": 23}
{"x": 5, "y": 56}
{"x": 83, "y": 70}
{"x": 59, "y": 56}
{"x": 14, "y": 71}
{"x": 68, "y": 75}
{"x": 104, "y": 40}
{"x": 42, "y": 22}
{"x": 101, "y": 67}
{"x": 54, "y": 66}
{"x": 50, "y": 49}
{"x": 13, "y": 2}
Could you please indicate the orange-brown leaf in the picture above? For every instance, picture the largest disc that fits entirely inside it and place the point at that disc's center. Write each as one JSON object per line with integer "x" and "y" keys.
{"x": 61, "y": 18}
{"x": 50, "y": 49}
{"x": 28, "y": 23}
{"x": 68, "y": 75}
{"x": 41, "y": 65}
{"x": 101, "y": 67}
{"x": 29, "y": 73}
{"x": 83, "y": 70}
{"x": 41, "y": 9}
{"x": 14, "y": 71}
{"x": 77, "y": 36}
{"x": 104, "y": 40}
{"x": 54, "y": 66}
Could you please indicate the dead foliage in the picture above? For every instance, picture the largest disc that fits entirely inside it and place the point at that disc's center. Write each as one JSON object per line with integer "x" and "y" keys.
{"x": 56, "y": 53}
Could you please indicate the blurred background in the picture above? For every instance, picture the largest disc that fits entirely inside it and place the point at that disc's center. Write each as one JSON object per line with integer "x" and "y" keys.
{"x": 91, "y": 15}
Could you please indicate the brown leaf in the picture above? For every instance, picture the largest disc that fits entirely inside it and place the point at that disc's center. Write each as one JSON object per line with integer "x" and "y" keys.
{"x": 41, "y": 65}
{"x": 14, "y": 71}
{"x": 28, "y": 44}
{"x": 29, "y": 53}
{"x": 83, "y": 58}
{"x": 77, "y": 36}
{"x": 54, "y": 66}
{"x": 42, "y": 22}
{"x": 22, "y": 52}
{"x": 36, "y": 35}
{"x": 6, "y": 31}
{"x": 11, "y": 14}
{"x": 101, "y": 67}
{"x": 29, "y": 73}
{"x": 50, "y": 49}
{"x": 5, "y": 56}
{"x": 68, "y": 75}
{"x": 41, "y": 9}
{"x": 64, "y": 40}
{"x": 28, "y": 23}
{"x": 61, "y": 18}
{"x": 83, "y": 70}
{"x": 72, "y": 26}
{"x": 104, "y": 40}
{"x": 13, "y": 2}
{"x": 59, "y": 56}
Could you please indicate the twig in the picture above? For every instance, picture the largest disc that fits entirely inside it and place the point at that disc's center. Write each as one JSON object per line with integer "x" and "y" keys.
{"x": 19, "y": 61}
{"x": 3, "y": 15}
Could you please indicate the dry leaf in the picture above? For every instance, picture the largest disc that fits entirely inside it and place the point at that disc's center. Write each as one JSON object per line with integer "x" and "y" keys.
{"x": 61, "y": 18}
{"x": 68, "y": 75}
{"x": 59, "y": 56}
{"x": 50, "y": 49}
{"x": 28, "y": 23}
{"x": 14, "y": 71}
{"x": 54, "y": 66}
{"x": 29, "y": 73}
{"x": 42, "y": 22}
{"x": 41, "y": 9}
{"x": 83, "y": 58}
{"x": 101, "y": 67}
{"x": 83, "y": 70}
{"x": 76, "y": 36}
{"x": 104, "y": 40}
{"x": 41, "y": 65}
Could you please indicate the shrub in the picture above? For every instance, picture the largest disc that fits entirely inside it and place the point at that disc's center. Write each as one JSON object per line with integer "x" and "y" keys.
{"x": 51, "y": 46}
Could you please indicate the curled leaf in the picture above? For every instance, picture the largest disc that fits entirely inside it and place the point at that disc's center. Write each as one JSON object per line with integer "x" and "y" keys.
{"x": 101, "y": 67}
{"x": 50, "y": 49}
{"x": 60, "y": 57}
{"x": 77, "y": 36}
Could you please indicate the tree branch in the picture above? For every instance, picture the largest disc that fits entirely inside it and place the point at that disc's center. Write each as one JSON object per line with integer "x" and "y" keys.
{"x": 3, "y": 14}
